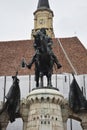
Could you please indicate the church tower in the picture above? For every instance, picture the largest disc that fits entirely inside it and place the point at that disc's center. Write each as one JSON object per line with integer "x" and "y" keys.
{"x": 43, "y": 18}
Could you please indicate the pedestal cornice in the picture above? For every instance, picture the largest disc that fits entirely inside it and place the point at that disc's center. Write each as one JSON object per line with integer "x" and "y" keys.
{"x": 45, "y": 95}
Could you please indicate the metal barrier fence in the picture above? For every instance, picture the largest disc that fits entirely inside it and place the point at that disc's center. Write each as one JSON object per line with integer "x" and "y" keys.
{"x": 27, "y": 83}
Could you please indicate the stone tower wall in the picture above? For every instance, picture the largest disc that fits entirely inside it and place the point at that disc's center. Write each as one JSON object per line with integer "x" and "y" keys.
{"x": 45, "y": 110}
{"x": 43, "y": 19}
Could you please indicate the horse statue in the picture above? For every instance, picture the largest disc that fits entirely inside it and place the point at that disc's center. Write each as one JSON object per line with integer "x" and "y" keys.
{"x": 44, "y": 59}
{"x": 13, "y": 100}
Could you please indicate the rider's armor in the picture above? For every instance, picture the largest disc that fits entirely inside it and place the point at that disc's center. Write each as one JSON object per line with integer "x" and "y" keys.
{"x": 42, "y": 34}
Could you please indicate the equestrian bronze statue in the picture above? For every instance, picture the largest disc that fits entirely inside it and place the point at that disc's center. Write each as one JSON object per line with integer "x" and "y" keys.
{"x": 43, "y": 58}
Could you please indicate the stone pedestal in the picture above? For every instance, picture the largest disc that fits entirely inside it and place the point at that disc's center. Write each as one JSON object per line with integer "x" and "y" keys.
{"x": 84, "y": 120}
{"x": 84, "y": 125}
{"x": 4, "y": 121}
{"x": 45, "y": 110}
{"x": 24, "y": 108}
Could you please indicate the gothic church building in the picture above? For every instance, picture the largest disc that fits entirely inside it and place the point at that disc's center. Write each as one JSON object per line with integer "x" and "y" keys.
{"x": 70, "y": 51}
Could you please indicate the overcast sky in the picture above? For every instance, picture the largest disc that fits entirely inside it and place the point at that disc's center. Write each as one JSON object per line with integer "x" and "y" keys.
{"x": 16, "y": 19}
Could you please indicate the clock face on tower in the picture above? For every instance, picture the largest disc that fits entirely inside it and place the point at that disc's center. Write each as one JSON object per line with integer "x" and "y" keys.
{"x": 41, "y": 21}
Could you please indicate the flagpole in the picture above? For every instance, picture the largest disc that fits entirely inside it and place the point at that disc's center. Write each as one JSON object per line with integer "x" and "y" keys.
{"x": 4, "y": 89}
{"x": 71, "y": 124}
{"x": 70, "y": 119}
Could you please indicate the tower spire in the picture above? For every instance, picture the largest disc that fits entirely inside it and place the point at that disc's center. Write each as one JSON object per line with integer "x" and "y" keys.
{"x": 43, "y": 18}
{"x": 43, "y": 4}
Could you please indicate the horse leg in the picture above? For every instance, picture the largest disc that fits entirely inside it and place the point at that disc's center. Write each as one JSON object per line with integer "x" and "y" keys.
{"x": 49, "y": 84}
{"x": 41, "y": 79}
{"x": 37, "y": 78}
{"x": 37, "y": 83}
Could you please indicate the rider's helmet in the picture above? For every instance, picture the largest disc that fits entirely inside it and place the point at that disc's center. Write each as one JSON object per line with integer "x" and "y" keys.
{"x": 43, "y": 30}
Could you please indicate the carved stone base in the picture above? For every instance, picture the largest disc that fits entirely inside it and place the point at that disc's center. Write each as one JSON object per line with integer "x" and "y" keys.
{"x": 45, "y": 109}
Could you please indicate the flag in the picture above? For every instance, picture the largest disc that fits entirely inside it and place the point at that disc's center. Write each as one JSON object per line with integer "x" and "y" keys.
{"x": 77, "y": 101}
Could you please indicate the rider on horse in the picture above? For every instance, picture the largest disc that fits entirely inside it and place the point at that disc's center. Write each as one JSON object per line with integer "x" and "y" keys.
{"x": 42, "y": 34}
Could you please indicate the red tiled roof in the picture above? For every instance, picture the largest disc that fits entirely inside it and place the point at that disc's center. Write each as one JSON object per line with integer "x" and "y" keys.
{"x": 12, "y": 52}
